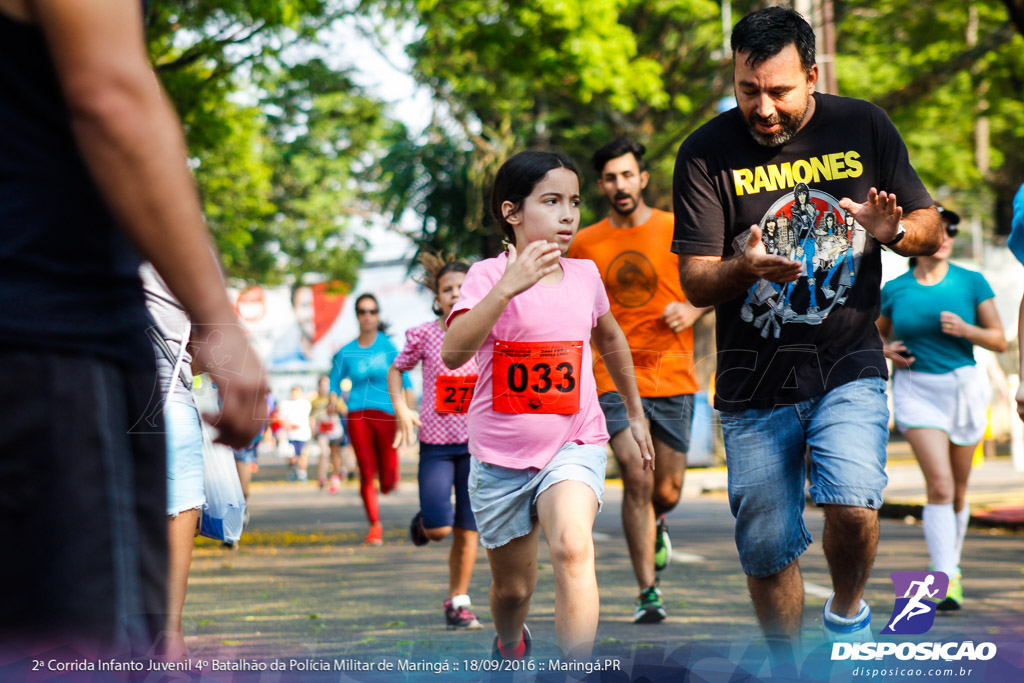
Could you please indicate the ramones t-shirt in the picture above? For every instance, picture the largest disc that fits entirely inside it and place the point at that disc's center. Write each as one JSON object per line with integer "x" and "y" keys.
{"x": 781, "y": 344}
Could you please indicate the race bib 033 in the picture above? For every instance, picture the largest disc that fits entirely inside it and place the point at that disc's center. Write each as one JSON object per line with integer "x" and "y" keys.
{"x": 537, "y": 377}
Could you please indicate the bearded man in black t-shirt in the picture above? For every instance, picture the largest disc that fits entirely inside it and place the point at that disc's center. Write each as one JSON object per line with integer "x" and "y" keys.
{"x": 800, "y": 368}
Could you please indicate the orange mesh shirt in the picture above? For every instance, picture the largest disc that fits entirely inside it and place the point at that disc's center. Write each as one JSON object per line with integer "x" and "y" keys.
{"x": 641, "y": 275}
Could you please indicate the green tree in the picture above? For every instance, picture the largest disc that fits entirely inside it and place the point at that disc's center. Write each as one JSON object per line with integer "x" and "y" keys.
{"x": 949, "y": 76}
{"x": 564, "y": 75}
{"x": 279, "y": 141}
{"x": 512, "y": 75}
{"x": 327, "y": 136}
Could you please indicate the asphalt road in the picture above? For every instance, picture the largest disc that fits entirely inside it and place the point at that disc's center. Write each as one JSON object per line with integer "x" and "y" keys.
{"x": 304, "y": 592}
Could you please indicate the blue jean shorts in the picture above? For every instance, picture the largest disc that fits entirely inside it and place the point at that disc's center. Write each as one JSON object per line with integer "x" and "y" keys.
{"x": 245, "y": 455}
{"x": 504, "y": 500}
{"x": 845, "y": 432}
{"x": 184, "y": 458}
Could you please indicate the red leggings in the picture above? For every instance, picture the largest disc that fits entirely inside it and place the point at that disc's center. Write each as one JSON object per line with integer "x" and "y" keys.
{"x": 372, "y": 432}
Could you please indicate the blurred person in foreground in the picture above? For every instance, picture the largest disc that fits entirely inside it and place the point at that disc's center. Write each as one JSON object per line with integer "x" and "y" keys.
{"x": 1016, "y": 244}
{"x": 93, "y": 174}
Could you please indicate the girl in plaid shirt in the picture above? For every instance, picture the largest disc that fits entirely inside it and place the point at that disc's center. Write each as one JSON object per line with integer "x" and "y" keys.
{"x": 443, "y": 435}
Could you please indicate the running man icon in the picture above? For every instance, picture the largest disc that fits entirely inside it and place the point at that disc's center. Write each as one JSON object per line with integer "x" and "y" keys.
{"x": 920, "y": 593}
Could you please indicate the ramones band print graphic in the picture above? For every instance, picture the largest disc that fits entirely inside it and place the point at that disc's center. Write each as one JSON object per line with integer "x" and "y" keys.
{"x": 807, "y": 226}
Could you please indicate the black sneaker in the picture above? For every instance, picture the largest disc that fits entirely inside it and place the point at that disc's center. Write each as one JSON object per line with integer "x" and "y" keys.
{"x": 527, "y": 639}
{"x": 416, "y": 532}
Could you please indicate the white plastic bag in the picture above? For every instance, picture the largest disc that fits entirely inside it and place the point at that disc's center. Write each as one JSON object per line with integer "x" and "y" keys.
{"x": 224, "y": 513}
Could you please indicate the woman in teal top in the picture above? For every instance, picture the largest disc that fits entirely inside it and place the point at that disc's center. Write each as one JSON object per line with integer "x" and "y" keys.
{"x": 932, "y": 317}
{"x": 371, "y": 419}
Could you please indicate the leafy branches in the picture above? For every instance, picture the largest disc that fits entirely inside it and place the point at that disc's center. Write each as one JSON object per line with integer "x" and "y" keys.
{"x": 281, "y": 142}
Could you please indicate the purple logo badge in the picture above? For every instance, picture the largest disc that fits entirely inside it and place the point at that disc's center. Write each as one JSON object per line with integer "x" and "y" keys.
{"x": 917, "y": 593}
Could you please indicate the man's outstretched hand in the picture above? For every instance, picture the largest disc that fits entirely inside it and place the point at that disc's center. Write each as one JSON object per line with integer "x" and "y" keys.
{"x": 223, "y": 351}
{"x": 880, "y": 215}
{"x": 772, "y": 267}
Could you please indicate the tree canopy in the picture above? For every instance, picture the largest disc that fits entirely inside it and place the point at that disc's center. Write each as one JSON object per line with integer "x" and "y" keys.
{"x": 289, "y": 151}
{"x": 279, "y": 140}
{"x": 574, "y": 75}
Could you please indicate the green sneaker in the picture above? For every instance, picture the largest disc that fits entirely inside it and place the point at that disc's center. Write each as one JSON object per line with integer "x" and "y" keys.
{"x": 954, "y": 595}
{"x": 662, "y": 546}
{"x": 649, "y": 608}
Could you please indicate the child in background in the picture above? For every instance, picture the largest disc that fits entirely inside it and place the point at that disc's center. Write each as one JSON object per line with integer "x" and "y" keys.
{"x": 443, "y": 434}
{"x": 328, "y": 432}
{"x": 295, "y": 418}
{"x": 536, "y": 431}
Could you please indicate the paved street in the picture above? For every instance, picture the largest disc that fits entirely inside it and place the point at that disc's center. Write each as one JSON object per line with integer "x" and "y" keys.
{"x": 302, "y": 585}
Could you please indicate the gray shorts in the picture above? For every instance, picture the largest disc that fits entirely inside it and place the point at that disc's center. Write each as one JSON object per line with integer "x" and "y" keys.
{"x": 504, "y": 500}
{"x": 670, "y": 416}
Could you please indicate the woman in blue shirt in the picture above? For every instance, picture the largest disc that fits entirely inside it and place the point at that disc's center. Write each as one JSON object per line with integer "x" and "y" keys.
{"x": 371, "y": 418}
{"x": 932, "y": 317}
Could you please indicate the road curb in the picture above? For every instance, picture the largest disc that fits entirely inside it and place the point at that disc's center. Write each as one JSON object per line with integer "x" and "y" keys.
{"x": 902, "y": 510}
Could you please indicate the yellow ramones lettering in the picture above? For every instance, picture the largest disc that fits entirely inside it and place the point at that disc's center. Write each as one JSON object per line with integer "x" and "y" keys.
{"x": 772, "y": 177}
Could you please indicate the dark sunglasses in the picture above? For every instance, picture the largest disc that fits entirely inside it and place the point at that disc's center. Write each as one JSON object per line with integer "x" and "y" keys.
{"x": 952, "y": 230}
{"x": 367, "y": 311}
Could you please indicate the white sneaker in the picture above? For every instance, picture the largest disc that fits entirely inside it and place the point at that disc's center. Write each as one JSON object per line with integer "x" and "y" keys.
{"x": 855, "y": 629}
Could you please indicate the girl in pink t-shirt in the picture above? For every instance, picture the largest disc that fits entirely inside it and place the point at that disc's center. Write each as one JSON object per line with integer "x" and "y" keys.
{"x": 444, "y": 455}
{"x": 536, "y": 431}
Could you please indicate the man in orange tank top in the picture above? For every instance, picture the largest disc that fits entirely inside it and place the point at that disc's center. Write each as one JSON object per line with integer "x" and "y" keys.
{"x": 631, "y": 248}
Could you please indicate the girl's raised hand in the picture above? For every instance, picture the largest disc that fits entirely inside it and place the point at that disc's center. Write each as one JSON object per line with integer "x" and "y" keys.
{"x": 408, "y": 421}
{"x": 538, "y": 260}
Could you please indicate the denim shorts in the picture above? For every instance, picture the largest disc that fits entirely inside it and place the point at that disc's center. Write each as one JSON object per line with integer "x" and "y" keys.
{"x": 670, "y": 416}
{"x": 844, "y": 431}
{"x": 245, "y": 455}
{"x": 504, "y": 500}
{"x": 184, "y": 458}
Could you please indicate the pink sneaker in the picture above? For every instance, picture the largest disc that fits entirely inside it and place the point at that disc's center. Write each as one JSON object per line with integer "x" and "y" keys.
{"x": 375, "y": 535}
{"x": 459, "y": 617}
{"x": 335, "y": 484}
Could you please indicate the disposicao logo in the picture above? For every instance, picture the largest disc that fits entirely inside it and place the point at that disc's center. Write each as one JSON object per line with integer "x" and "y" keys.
{"x": 917, "y": 593}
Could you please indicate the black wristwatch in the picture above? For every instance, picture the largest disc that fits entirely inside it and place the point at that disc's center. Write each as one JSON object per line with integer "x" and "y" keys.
{"x": 901, "y": 230}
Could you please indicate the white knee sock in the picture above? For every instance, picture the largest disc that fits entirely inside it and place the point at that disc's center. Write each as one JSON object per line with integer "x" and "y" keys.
{"x": 940, "y": 535}
{"x": 962, "y": 518}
